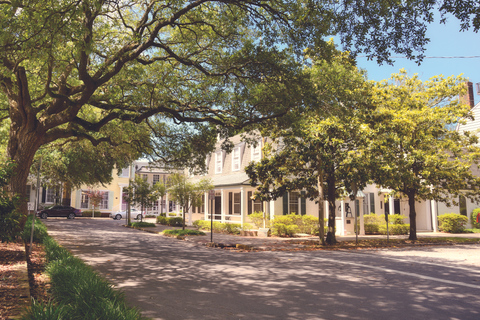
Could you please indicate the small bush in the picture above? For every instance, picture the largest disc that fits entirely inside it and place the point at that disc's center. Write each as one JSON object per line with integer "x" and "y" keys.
{"x": 232, "y": 228}
{"x": 284, "y": 230}
{"x": 394, "y": 229}
{"x": 258, "y": 219}
{"x": 88, "y": 213}
{"x": 186, "y": 232}
{"x": 39, "y": 232}
{"x": 309, "y": 225}
{"x": 143, "y": 224}
{"x": 78, "y": 291}
{"x": 473, "y": 218}
{"x": 452, "y": 223}
{"x": 247, "y": 227}
{"x": 173, "y": 222}
{"x": 376, "y": 224}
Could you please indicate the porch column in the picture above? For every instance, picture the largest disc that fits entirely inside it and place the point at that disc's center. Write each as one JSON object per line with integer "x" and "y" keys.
{"x": 362, "y": 224}
{"x": 343, "y": 231}
{"x": 242, "y": 206}
{"x": 205, "y": 206}
{"x": 391, "y": 206}
{"x": 222, "y": 210}
{"x": 434, "y": 215}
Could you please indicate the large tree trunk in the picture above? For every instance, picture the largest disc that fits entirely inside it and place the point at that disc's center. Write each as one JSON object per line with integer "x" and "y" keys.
{"x": 22, "y": 146}
{"x": 331, "y": 239}
{"x": 413, "y": 216}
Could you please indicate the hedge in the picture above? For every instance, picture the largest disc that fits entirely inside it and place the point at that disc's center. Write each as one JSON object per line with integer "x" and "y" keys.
{"x": 173, "y": 222}
{"x": 452, "y": 223}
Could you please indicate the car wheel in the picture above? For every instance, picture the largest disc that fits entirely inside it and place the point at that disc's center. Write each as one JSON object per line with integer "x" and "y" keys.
{"x": 44, "y": 215}
{"x": 71, "y": 216}
{"x": 118, "y": 217}
{"x": 139, "y": 217}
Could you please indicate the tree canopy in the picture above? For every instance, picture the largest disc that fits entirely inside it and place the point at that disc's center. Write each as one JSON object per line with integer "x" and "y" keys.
{"x": 324, "y": 149}
{"x": 415, "y": 152}
{"x": 69, "y": 69}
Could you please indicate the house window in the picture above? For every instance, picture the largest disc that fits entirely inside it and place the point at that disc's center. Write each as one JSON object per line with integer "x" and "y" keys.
{"x": 293, "y": 202}
{"x": 257, "y": 152}
{"x": 144, "y": 177}
{"x": 463, "y": 205}
{"x": 84, "y": 201}
{"x": 236, "y": 159}
{"x": 104, "y": 202}
{"x": 218, "y": 162}
{"x": 372, "y": 202}
{"x": 156, "y": 178}
{"x": 234, "y": 205}
{"x": 254, "y": 205}
{"x": 50, "y": 197}
{"x": 154, "y": 206}
{"x": 124, "y": 173}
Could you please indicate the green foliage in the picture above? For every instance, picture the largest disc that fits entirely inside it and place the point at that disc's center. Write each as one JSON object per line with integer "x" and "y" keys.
{"x": 219, "y": 227}
{"x": 143, "y": 224}
{"x": 415, "y": 152}
{"x": 473, "y": 218}
{"x": 78, "y": 291}
{"x": 89, "y": 213}
{"x": 9, "y": 215}
{"x": 247, "y": 227}
{"x": 39, "y": 233}
{"x": 376, "y": 224}
{"x": 452, "y": 223}
{"x": 173, "y": 222}
{"x": 258, "y": 219}
{"x": 289, "y": 225}
{"x": 186, "y": 232}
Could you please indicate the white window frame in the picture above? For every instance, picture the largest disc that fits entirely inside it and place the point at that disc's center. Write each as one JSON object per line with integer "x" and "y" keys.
{"x": 125, "y": 173}
{"x": 104, "y": 203}
{"x": 236, "y": 158}
{"x": 257, "y": 152}
{"x": 156, "y": 178}
{"x": 218, "y": 161}
{"x": 50, "y": 195}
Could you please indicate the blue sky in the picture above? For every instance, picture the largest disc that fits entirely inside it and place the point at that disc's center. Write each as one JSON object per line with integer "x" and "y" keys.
{"x": 445, "y": 41}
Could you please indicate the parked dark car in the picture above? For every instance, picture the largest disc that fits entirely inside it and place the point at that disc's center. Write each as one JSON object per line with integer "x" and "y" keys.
{"x": 60, "y": 211}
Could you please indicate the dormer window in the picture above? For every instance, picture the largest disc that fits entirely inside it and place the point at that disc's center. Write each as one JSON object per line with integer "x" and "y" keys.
{"x": 257, "y": 151}
{"x": 218, "y": 161}
{"x": 236, "y": 160}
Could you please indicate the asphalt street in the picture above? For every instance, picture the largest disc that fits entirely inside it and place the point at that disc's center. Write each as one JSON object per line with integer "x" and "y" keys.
{"x": 171, "y": 279}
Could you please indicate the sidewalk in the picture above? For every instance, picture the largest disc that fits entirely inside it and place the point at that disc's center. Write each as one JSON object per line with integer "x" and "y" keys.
{"x": 277, "y": 243}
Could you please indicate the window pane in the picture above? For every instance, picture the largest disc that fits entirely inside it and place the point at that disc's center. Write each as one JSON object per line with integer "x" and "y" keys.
{"x": 293, "y": 202}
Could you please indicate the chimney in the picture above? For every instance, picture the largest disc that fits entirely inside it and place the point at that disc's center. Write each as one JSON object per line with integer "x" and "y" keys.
{"x": 468, "y": 98}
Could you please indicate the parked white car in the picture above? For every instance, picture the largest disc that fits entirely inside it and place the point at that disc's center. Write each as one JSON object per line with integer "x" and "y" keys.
{"x": 134, "y": 214}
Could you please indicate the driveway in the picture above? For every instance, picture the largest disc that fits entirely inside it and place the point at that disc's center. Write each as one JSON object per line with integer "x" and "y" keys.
{"x": 171, "y": 279}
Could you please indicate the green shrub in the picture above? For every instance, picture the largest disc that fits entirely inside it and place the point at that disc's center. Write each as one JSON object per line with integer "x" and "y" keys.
{"x": 376, "y": 224}
{"x": 247, "y": 227}
{"x": 202, "y": 224}
{"x": 452, "y": 223}
{"x": 394, "y": 229}
{"x": 233, "y": 228}
{"x": 9, "y": 220}
{"x": 173, "y": 222}
{"x": 258, "y": 219}
{"x": 284, "y": 230}
{"x": 473, "y": 218}
{"x": 88, "y": 213}
{"x": 39, "y": 232}
{"x": 143, "y": 224}
{"x": 186, "y": 232}
{"x": 78, "y": 291}
{"x": 172, "y": 214}
{"x": 309, "y": 225}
